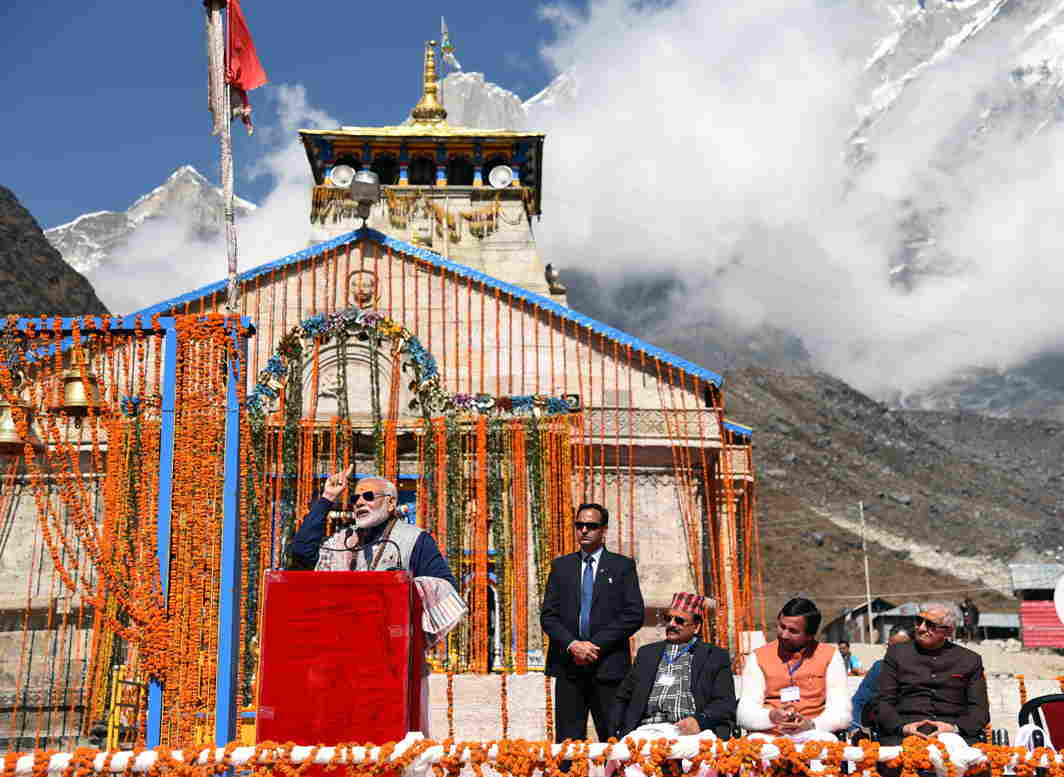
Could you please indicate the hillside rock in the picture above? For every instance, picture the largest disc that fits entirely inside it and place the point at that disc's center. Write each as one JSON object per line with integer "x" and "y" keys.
{"x": 963, "y": 488}
{"x": 33, "y": 275}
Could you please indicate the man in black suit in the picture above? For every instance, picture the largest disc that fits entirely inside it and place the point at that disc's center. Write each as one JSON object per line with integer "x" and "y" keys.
{"x": 678, "y": 686}
{"x": 591, "y": 607}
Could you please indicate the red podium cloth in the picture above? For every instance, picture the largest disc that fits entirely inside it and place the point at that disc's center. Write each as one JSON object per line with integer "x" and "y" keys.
{"x": 342, "y": 658}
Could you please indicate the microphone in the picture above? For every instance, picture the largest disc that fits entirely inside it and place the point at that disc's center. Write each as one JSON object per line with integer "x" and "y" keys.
{"x": 347, "y": 536}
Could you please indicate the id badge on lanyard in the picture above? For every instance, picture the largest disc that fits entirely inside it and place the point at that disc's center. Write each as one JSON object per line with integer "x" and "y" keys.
{"x": 792, "y": 692}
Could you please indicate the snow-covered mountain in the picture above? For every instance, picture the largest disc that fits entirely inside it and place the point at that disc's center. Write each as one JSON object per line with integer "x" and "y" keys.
{"x": 473, "y": 101}
{"x": 186, "y": 199}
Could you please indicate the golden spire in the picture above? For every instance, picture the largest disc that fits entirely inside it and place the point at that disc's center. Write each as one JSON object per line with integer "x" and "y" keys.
{"x": 429, "y": 110}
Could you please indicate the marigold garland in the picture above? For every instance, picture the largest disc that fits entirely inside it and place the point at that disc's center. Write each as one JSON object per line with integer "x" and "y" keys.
{"x": 517, "y": 758}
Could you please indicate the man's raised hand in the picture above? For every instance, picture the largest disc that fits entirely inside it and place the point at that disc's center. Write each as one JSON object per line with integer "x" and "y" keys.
{"x": 336, "y": 483}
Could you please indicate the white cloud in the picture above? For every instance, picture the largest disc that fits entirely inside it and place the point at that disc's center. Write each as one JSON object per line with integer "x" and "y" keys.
{"x": 709, "y": 140}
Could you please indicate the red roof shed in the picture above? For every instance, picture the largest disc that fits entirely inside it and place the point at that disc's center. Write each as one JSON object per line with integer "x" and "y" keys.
{"x": 1040, "y": 626}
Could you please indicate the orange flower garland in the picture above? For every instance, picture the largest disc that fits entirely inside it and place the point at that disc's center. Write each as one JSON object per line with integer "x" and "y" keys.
{"x": 521, "y": 758}
{"x": 504, "y": 712}
{"x": 450, "y": 703}
{"x": 548, "y": 708}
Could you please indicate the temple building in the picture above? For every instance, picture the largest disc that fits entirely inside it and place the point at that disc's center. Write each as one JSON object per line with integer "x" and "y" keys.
{"x": 425, "y": 340}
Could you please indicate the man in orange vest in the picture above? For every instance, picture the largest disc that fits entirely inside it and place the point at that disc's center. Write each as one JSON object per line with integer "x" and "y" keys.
{"x": 795, "y": 686}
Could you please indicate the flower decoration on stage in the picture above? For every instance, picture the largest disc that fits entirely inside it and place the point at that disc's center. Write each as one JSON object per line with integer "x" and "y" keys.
{"x": 416, "y": 755}
{"x": 425, "y": 383}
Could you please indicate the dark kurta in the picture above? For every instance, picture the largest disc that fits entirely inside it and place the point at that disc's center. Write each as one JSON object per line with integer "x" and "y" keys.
{"x": 947, "y": 685}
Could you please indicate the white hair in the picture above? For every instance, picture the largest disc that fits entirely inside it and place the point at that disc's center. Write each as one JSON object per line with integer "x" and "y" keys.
{"x": 949, "y": 612}
{"x": 388, "y": 487}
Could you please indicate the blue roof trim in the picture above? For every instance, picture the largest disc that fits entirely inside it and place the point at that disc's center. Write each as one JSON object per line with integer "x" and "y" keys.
{"x": 458, "y": 269}
{"x": 738, "y": 428}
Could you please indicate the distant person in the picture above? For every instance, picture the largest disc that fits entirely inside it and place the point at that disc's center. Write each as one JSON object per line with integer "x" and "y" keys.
{"x": 795, "y": 686}
{"x": 970, "y": 619}
{"x": 932, "y": 687}
{"x": 864, "y": 698}
{"x": 849, "y": 660}
{"x": 679, "y": 686}
{"x": 591, "y": 606}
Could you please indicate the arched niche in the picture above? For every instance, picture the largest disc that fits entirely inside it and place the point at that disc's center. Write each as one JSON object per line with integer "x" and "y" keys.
{"x": 460, "y": 171}
{"x": 422, "y": 171}
{"x": 353, "y": 360}
{"x": 386, "y": 166}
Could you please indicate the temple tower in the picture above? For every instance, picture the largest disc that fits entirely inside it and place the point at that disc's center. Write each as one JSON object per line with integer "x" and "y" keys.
{"x": 467, "y": 194}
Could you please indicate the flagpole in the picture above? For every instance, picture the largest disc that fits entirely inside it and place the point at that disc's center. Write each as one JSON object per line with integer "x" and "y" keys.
{"x": 221, "y": 106}
{"x": 226, "y": 144}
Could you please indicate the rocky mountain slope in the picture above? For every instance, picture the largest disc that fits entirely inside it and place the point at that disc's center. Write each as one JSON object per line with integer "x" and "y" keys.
{"x": 949, "y": 498}
{"x": 33, "y": 276}
{"x": 186, "y": 199}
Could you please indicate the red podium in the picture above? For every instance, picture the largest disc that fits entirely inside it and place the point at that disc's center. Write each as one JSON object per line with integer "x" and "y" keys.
{"x": 342, "y": 658}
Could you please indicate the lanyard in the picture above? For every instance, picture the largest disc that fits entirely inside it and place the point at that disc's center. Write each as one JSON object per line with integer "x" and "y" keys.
{"x": 687, "y": 649}
{"x": 791, "y": 672}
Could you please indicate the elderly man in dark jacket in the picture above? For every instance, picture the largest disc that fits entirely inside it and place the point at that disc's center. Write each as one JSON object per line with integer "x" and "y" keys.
{"x": 932, "y": 687}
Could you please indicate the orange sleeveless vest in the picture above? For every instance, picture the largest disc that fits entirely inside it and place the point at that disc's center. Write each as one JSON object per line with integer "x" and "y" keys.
{"x": 810, "y": 677}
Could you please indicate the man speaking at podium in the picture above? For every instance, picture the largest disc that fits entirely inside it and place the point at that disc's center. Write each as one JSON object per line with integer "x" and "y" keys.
{"x": 379, "y": 539}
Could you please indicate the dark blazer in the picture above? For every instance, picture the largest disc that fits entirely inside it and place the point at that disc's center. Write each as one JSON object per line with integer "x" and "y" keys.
{"x": 947, "y": 684}
{"x": 712, "y": 685}
{"x": 616, "y": 614}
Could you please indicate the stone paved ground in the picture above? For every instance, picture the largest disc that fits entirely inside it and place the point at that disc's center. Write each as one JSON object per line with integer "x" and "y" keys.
{"x": 477, "y": 705}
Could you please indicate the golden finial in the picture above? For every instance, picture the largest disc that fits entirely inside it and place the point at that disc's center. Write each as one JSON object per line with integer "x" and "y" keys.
{"x": 429, "y": 110}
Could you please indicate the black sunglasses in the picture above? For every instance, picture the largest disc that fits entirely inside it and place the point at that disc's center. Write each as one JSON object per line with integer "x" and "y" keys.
{"x": 679, "y": 620}
{"x": 369, "y": 496}
{"x": 586, "y": 526}
{"x": 931, "y": 624}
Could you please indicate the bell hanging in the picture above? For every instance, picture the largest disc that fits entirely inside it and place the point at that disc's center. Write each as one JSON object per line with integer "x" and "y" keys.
{"x": 11, "y": 441}
{"x": 81, "y": 389}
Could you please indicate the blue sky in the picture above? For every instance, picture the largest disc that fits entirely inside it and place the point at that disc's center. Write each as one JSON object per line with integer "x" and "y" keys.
{"x": 103, "y": 100}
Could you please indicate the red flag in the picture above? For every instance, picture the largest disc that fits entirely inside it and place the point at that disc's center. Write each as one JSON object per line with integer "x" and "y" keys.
{"x": 243, "y": 70}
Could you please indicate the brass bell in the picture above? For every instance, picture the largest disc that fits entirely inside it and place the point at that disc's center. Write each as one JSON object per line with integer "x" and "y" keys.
{"x": 81, "y": 389}
{"x": 11, "y": 441}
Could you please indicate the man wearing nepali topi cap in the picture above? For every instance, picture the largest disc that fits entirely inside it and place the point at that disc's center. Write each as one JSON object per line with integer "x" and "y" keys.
{"x": 680, "y": 685}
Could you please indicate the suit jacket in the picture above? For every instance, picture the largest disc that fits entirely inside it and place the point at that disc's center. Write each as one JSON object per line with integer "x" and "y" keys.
{"x": 616, "y": 614}
{"x": 712, "y": 685}
{"x": 947, "y": 684}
